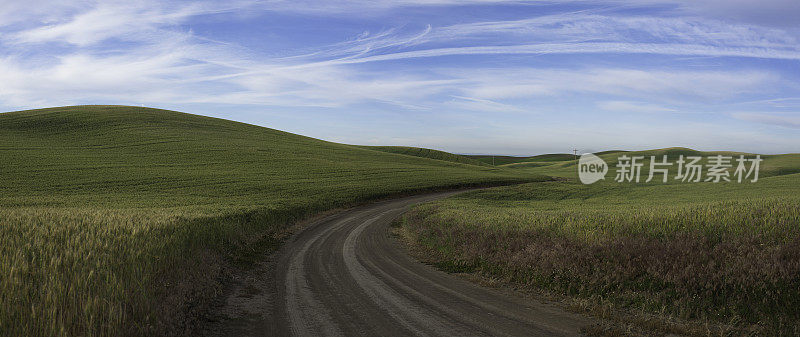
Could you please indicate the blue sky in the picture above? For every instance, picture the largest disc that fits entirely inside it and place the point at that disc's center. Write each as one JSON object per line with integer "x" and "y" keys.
{"x": 469, "y": 76}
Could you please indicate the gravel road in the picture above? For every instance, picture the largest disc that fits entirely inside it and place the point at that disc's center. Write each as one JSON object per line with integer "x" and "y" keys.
{"x": 344, "y": 275}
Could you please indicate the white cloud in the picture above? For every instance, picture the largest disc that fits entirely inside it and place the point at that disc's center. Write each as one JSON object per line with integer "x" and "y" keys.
{"x": 766, "y": 12}
{"x": 365, "y": 7}
{"x": 654, "y": 85}
{"x": 583, "y": 27}
{"x": 125, "y": 20}
{"x": 763, "y": 11}
{"x": 484, "y": 105}
{"x": 75, "y": 52}
{"x": 626, "y": 106}
{"x": 39, "y": 11}
{"x": 790, "y": 120}
{"x": 167, "y": 65}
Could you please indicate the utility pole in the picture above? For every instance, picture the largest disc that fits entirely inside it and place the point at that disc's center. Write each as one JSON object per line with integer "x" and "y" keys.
{"x": 493, "y": 161}
{"x": 575, "y": 151}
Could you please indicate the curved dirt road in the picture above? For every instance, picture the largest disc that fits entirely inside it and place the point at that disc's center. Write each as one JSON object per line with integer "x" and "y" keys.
{"x": 344, "y": 276}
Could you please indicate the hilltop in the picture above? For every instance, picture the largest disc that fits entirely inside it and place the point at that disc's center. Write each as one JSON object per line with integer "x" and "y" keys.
{"x": 104, "y": 155}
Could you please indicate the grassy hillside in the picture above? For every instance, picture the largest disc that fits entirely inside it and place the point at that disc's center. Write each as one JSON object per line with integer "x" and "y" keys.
{"x": 726, "y": 254}
{"x": 427, "y": 153}
{"x": 119, "y": 220}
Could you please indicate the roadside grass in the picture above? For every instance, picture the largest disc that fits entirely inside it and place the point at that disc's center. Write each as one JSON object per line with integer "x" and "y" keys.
{"x": 123, "y": 220}
{"x": 725, "y": 254}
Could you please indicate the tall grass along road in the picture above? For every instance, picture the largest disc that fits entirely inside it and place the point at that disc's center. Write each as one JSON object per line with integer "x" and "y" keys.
{"x": 345, "y": 276}
{"x": 698, "y": 259}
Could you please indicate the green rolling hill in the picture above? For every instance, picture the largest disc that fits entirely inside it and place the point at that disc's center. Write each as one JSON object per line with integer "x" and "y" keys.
{"x": 121, "y": 220}
{"x": 134, "y": 157}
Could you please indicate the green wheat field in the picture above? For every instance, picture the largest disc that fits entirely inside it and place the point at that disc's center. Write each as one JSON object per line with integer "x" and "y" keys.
{"x": 122, "y": 220}
{"x": 119, "y": 220}
{"x": 719, "y": 258}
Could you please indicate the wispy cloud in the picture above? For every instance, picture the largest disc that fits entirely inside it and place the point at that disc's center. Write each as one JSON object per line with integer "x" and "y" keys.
{"x": 584, "y": 33}
{"x": 601, "y": 59}
{"x": 789, "y": 120}
{"x": 625, "y": 106}
{"x": 329, "y": 77}
{"x": 782, "y": 12}
{"x": 485, "y": 105}
{"x": 136, "y": 20}
{"x": 655, "y": 85}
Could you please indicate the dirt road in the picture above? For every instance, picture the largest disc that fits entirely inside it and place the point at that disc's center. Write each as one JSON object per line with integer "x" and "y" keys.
{"x": 345, "y": 276}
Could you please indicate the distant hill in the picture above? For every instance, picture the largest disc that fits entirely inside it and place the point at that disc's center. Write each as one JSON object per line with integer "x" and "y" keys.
{"x": 772, "y": 164}
{"x": 504, "y": 160}
{"x": 427, "y": 153}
